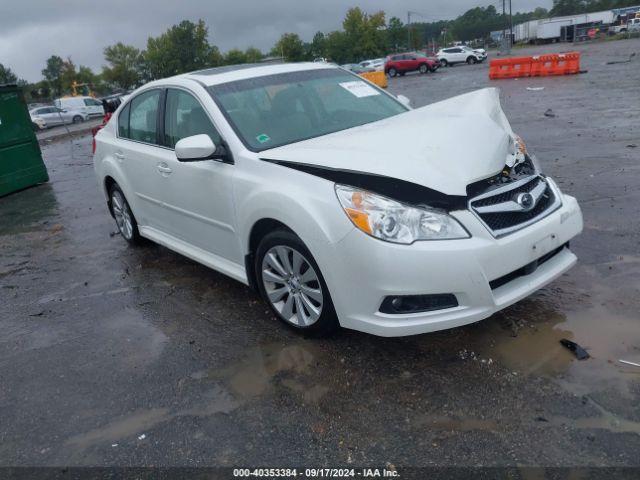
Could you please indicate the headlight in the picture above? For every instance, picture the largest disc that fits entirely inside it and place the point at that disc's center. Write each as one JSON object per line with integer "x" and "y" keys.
{"x": 396, "y": 222}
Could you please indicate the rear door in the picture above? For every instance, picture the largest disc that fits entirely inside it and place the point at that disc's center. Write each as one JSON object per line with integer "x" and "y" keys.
{"x": 198, "y": 195}
{"x": 52, "y": 116}
{"x": 139, "y": 152}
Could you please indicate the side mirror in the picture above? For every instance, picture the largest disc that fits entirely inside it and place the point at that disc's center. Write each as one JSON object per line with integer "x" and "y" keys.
{"x": 404, "y": 100}
{"x": 195, "y": 148}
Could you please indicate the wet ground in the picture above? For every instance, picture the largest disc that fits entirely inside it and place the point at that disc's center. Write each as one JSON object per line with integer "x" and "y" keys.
{"x": 113, "y": 355}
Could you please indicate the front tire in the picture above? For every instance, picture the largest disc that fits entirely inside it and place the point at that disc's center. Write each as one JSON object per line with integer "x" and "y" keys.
{"x": 291, "y": 283}
{"x": 77, "y": 119}
{"x": 125, "y": 221}
{"x": 424, "y": 68}
{"x": 444, "y": 63}
{"x": 472, "y": 60}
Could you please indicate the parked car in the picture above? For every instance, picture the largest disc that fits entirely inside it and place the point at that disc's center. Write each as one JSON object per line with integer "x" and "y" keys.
{"x": 633, "y": 25}
{"x": 335, "y": 200}
{"x": 87, "y": 105}
{"x": 46, "y": 117}
{"x": 401, "y": 63}
{"x": 461, "y": 54}
{"x": 376, "y": 64}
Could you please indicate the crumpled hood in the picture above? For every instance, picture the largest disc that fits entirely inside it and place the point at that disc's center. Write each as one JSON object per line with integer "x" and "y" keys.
{"x": 444, "y": 146}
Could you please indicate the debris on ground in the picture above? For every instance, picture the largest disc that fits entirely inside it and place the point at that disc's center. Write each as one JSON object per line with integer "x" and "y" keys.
{"x": 632, "y": 145}
{"x": 614, "y": 62}
{"x": 549, "y": 113}
{"x": 580, "y": 353}
{"x": 142, "y": 437}
{"x": 535, "y": 89}
{"x": 113, "y": 234}
{"x": 627, "y": 362}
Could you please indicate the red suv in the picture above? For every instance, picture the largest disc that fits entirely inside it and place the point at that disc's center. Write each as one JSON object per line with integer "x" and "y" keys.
{"x": 401, "y": 63}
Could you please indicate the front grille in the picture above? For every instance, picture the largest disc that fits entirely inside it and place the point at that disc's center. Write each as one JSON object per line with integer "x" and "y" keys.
{"x": 502, "y": 213}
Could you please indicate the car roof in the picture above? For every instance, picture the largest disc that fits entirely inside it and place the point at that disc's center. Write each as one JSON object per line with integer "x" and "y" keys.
{"x": 230, "y": 73}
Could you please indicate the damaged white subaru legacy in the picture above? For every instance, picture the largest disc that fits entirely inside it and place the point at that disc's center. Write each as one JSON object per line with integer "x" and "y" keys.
{"x": 334, "y": 199}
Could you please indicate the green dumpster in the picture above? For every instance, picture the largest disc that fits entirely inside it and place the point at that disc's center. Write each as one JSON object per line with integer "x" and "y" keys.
{"x": 21, "y": 163}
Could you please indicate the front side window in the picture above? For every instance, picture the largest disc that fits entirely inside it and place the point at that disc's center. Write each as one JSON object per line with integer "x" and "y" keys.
{"x": 275, "y": 110}
{"x": 185, "y": 117}
{"x": 143, "y": 118}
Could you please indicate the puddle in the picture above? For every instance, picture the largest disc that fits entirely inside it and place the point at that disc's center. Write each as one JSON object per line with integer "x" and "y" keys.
{"x": 130, "y": 427}
{"x": 273, "y": 366}
{"x": 601, "y": 325}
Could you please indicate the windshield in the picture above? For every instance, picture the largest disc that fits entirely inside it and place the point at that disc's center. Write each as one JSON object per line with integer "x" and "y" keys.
{"x": 276, "y": 110}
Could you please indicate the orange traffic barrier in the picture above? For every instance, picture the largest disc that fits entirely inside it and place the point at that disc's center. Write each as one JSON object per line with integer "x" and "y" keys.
{"x": 536, "y": 66}
{"x": 379, "y": 78}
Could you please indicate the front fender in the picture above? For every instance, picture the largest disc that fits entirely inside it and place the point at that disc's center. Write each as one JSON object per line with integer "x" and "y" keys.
{"x": 303, "y": 202}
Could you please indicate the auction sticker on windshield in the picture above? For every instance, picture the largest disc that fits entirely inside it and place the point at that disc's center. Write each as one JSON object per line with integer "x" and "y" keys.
{"x": 359, "y": 89}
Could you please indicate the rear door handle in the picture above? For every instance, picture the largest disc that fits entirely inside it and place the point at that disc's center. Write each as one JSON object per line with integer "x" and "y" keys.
{"x": 119, "y": 156}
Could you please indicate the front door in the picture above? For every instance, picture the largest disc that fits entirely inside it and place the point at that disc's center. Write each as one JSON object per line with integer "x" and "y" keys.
{"x": 198, "y": 195}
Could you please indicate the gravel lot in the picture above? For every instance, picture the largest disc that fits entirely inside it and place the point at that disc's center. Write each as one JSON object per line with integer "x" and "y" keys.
{"x": 103, "y": 344}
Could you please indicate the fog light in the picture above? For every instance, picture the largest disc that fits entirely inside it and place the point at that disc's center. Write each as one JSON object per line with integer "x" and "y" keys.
{"x": 418, "y": 303}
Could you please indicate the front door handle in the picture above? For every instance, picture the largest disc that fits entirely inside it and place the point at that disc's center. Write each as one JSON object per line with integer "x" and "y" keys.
{"x": 164, "y": 170}
{"x": 119, "y": 156}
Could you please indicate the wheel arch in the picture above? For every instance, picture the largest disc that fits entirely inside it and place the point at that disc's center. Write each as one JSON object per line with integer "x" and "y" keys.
{"x": 258, "y": 231}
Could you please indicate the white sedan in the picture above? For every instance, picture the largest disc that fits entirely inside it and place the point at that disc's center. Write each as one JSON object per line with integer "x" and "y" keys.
{"x": 340, "y": 204}
{"x": 45, "y": 117}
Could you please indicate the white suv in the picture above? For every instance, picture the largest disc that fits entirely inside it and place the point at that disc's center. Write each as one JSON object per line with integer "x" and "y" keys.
{"x": 338, "y": 202}
{"x": 461, "y": 54}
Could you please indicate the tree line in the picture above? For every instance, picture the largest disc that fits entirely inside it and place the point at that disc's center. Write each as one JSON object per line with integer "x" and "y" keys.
{"x": 185, "y": 47}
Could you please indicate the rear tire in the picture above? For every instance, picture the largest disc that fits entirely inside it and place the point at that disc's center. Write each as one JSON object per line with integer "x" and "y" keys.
{"x": 78, "y": 119}
{"x": 393, "y": 72}
{"x": 125, "y": 220}
{"x": 292, "y": 284}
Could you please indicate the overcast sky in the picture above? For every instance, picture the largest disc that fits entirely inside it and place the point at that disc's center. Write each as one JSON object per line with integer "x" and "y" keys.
{"x": 33, "y": 30}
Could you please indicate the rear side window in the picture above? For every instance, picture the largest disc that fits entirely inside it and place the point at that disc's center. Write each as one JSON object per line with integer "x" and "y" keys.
{"x": 143, "y": 117}
{"x": 123, "y": 122}
{"x": 185, "y": 117}
{"x": 89, "y": 102}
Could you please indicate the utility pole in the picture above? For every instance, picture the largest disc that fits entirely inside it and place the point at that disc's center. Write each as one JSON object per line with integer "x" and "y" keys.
{"x": 504, "y": 15}
{"x": 408, "y": 30}
{"x": 510, "y": 26}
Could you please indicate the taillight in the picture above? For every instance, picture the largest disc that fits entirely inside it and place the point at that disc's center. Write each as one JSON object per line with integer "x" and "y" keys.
{"x": 94, "y": 132}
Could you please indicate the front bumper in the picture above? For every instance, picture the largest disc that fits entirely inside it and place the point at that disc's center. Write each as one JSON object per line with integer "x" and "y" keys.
{"x": 361, "y": 271}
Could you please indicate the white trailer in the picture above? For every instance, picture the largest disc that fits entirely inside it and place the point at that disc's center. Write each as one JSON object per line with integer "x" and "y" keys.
{"x": 526, "y": 32}
{"x": 549, "y": 29}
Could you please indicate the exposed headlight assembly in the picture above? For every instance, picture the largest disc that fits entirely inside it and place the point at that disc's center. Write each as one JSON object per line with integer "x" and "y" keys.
{"x": 396, "y": 222}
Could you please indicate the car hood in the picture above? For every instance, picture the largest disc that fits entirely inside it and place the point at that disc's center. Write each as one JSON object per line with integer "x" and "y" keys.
{"x": 444, "y": 146}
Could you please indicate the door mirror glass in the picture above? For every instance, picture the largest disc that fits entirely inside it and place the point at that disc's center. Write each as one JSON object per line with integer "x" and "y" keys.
{"x": 404, "y": 100}
{"x": 195, "y": 148}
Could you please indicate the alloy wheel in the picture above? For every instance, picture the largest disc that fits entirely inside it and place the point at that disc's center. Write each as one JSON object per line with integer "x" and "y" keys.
{"x": 122, "y": 214}
{"x": 292, "y": 285}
